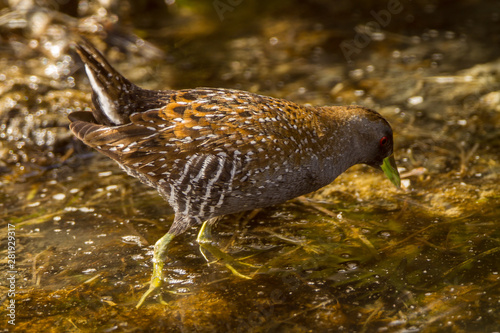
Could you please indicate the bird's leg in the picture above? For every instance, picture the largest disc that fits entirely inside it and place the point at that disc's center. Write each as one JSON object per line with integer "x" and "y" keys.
{"x": 205, "y": 236}
{"x": 205, "y": 240}
{"x": 159, "y": 258}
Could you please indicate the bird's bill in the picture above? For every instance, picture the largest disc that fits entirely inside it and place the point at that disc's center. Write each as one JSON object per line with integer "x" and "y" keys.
{"x": 391, "y": 170}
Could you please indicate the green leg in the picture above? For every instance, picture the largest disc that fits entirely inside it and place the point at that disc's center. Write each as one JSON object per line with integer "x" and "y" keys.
{"x": 159, "y": 258}
{"x": 205, "y": 240}
{"x": 205, "y": 237}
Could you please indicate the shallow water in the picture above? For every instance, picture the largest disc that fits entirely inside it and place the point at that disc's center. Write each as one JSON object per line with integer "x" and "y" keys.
{"x": 355, "y": 256}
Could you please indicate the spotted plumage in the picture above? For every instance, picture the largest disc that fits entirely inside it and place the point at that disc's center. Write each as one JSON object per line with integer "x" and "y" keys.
{"x": 211, "y": 152}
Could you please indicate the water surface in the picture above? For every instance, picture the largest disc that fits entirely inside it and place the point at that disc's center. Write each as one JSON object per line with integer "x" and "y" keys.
{"x": 355, "y": 256}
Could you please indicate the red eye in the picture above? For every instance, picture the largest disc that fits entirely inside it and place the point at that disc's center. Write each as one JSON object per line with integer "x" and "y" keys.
{"x": 383, "y": 141}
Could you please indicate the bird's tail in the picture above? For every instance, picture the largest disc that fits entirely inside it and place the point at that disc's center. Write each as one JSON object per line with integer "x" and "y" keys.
{"x": 115, "y": 98}
{"x": 111, "y": 91}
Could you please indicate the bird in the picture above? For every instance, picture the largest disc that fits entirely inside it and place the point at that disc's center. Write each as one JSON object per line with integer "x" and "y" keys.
{"x": 211, "y": 152}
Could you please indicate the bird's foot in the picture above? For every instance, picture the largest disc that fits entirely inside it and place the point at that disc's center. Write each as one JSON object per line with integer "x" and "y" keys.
{"x": 155, "y": 283}
{"x": 159, "y": 257}
{"x": 204, "y": 239}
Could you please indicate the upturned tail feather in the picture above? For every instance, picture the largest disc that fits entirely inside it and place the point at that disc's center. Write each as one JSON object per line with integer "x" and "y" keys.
{"x": 115, "y": 98}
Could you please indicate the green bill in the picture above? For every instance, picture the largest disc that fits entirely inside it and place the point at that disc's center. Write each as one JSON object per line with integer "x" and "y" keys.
{"x": 391, "y": 171}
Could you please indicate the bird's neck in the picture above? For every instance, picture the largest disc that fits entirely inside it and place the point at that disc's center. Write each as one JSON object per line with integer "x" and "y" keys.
{"x": 341, "y": 149}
